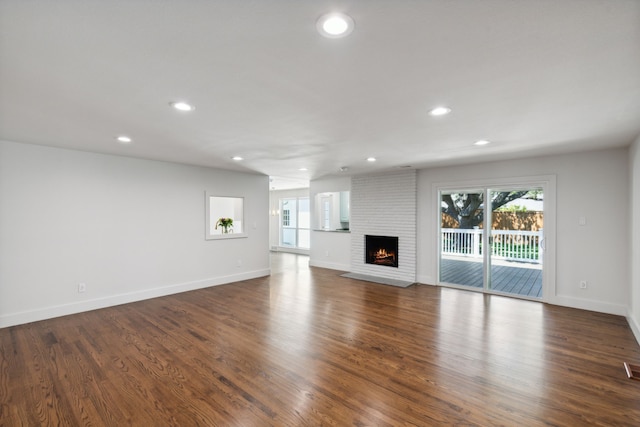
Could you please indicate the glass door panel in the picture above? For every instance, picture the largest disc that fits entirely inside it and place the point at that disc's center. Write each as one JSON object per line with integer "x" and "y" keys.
{"x": 295, "y": 223}
{"x": 517, "y": 223}
{"x": 304, "y": 223}
{"x": 288, "y": 225}
{"x": 461, "y": 248}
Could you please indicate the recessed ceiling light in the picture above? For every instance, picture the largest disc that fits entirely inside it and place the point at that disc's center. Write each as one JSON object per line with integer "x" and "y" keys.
{"x": 302, "y": 169}
{"x": 482, "y": 142}
{"x": 237, "y": 158}
{"x": 182, "y": 106}
{"x": 440, "y": 111}
{"x": 335, "y": 25}
{"x": 371, "y": 159}
{"x": 124, "y": 139}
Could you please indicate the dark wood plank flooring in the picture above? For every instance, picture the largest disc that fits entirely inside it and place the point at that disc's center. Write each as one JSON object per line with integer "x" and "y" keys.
{"x": 308, "y": 347}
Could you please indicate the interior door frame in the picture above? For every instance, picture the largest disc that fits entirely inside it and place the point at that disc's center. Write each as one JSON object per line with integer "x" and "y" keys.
{"x": 548, "y": 185}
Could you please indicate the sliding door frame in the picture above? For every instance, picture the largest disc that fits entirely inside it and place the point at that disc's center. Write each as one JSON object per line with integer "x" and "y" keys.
{"x": 548, "y": 185}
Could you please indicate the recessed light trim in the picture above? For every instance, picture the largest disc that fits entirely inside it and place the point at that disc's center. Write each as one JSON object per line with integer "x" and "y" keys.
{"x": 335, "y": 25}
{"x": 303, "y": 169}
{"x": 123, "y": 139}
{"x": 440, "y": 111}
{"x": 371, "y": 159}
{"x": 182, "y": 106}
{"x": 237, "y": 158}
{"x": 482, "y": 142}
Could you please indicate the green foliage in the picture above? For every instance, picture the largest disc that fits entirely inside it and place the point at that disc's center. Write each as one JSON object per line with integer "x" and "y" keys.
{"x": 225, "y": 223}
{"x": 512, "y": 208}
{"x": 534, "y": 195}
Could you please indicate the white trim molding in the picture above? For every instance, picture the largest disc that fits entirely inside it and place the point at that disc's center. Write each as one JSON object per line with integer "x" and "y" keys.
{"x": 19, "y": 318}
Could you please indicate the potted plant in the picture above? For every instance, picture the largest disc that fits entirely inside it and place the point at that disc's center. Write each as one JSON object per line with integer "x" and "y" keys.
{"x": 226, "y": 224}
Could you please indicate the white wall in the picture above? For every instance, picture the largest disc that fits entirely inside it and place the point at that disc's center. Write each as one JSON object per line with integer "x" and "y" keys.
{"x": 274, "y": 221}
{"x": 329, "y": 249}
{"x": 634, "y": 245}
{"x": 130, "y": 229}
{"x": 591, "y": 184}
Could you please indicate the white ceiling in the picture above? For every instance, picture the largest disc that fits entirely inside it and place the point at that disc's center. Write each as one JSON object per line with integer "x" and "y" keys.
{"x": 534, "y": 77}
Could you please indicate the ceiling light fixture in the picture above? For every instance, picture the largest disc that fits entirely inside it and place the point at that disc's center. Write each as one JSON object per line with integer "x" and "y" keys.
{"x": 124, "y": 139}
{"x": 371, "y": 159}
{"x": 335, "y": 25}
{"x": 237, "y": 158}
{"x": 440, "y": 111}
{"x": 182, "y": 106}
{"x": 303, "y": 169}
{"x": 482, "y": 142}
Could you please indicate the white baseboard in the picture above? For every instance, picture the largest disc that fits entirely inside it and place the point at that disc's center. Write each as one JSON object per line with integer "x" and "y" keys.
{"x": 602, "y": 307}
{"x": 290, "y": 250}
{"x": 426, "y": 280}
{"x": 633, "y": 324}
{"x": 19, "y": 318}
{"x": 330, "y": 265}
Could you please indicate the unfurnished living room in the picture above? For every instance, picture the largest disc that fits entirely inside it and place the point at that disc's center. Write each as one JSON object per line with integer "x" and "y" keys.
{"x": 301, "y": 213}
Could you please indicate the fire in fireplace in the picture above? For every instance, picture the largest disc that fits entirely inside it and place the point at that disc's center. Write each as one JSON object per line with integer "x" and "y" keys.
{"x": 381, "y": 250}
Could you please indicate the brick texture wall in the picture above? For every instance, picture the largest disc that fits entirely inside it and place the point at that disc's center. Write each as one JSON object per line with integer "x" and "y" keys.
{"x": 385, "y": 205}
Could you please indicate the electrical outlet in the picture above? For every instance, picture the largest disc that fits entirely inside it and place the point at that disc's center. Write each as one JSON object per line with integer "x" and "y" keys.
{"x": 82, "y": 287}
{"x": 583, "y": 284}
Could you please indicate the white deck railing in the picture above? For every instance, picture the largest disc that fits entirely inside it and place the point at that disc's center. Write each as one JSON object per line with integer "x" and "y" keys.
{"x": 511, "y": 245}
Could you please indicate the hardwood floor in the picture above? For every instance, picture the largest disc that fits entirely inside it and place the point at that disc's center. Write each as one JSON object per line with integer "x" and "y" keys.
{"x": 308, "y": 347}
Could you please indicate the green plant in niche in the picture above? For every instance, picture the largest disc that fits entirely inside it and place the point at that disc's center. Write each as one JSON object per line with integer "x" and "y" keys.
{"x": 226, "y": 224}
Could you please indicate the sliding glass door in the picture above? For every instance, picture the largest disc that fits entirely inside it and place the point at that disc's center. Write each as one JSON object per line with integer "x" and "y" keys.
{"x": 517, "y": 226}
{"x": 496, "y": 250}
{"x": 461, "y": 256}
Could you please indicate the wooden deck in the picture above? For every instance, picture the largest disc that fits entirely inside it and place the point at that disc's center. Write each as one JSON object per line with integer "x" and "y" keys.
{"x": 512, "y": 278}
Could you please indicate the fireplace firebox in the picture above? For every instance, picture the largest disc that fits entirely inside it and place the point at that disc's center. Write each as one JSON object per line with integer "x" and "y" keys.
{"x": 381, "y": 250}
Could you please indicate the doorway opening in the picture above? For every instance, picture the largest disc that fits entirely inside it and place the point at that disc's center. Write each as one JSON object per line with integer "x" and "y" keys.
{"x": 295, "y": 223}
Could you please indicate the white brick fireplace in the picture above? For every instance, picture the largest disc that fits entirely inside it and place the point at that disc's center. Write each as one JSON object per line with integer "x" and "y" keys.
{"x": 385, "y": 205}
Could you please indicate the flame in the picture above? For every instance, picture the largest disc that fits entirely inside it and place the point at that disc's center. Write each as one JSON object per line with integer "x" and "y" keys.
{"x": 382, "y": 253}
